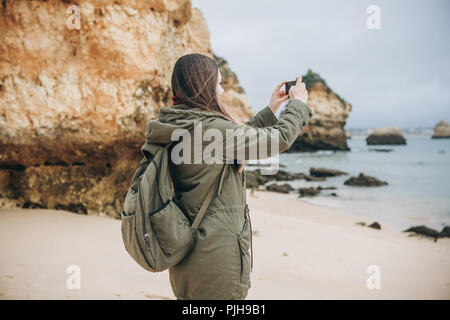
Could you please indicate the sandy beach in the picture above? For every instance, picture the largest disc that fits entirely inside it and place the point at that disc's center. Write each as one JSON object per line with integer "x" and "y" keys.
{"x": 301, "y": 251}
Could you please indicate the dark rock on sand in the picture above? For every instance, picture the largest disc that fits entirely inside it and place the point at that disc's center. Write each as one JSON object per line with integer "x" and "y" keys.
{"x": 308, "y": 192}
{"x": 281, "y": 188}
{"x": 365, "y": 181}
{"x": 423, "y": 231}
{"x": 385, "y": 136}
{"x": 375, "y": 225}
{"x": 322, "y": 172}
{"x": 445, "y": 233}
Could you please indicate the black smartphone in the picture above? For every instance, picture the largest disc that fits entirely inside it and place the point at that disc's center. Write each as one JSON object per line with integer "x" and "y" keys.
{"x": 288, "y": 85}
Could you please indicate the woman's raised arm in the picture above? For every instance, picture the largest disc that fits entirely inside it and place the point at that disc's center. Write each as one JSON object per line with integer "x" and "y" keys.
{"x": 244, "y": 142}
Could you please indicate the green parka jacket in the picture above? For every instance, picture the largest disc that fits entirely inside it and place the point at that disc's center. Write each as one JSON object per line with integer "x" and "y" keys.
{"x": 219, "y": 265}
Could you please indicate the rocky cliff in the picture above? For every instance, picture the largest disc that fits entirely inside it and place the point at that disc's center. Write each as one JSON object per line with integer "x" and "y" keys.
{"x": 74, "y": 102}
{"x": 325, "y": 130}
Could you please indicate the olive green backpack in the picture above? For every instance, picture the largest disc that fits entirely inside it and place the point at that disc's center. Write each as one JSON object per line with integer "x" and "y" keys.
{"x": 155, "y": 231}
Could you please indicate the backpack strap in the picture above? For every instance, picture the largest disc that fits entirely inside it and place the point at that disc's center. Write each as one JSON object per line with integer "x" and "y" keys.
{"x": 209, "y": 196}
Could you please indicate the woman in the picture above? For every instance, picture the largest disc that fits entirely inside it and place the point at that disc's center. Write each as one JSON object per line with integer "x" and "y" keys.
{"x": 219, "y": 265}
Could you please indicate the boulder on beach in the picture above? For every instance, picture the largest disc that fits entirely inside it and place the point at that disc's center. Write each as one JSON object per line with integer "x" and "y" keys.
{"x": 308, "y": 192}
{"x": 441, "y": 130}
{"x": 322, "y": 172}
{"x": 361, "y": 223}
{"x": 386, "y": 136}
{"x": 428, "y": 232}
{"x": 281, "y": 188}
{"x": 375, "y": 225}
{"x": 423, "y": 231}
{"x": 364, "y": 181}
{"x": 445, "y": 233}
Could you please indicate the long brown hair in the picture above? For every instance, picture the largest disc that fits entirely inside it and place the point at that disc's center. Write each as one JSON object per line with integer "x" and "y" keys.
{"x": 194, "y": 80}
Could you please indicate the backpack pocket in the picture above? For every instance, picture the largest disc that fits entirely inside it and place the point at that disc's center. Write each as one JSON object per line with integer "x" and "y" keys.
{"x": 130, "y": 240}
{"x": 244, "y": 246}
{"x": 172, "y": 230}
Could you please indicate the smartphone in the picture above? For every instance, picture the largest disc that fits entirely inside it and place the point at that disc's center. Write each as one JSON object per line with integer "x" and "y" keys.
{"x": 288, "y": 85}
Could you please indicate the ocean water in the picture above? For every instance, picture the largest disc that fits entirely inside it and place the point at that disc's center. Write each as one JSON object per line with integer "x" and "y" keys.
{"x": 418, "y": 175}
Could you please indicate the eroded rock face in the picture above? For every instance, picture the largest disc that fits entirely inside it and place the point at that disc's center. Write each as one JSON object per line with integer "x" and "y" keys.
{"x": 325, "y": 130}
{"x": 441, "y": 130}
{"x": 74, "y": 103}
{"x": 386, "y": 136}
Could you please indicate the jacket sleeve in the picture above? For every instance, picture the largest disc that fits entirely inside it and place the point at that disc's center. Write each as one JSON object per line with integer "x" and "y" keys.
{"x": 244, "y": 142}
{"x": 264, "y": 118}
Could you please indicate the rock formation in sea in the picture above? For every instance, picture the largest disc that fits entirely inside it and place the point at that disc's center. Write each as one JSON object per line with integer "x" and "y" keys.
{"x": 325, "y": 130}
{"x": 441, "y": 130}
{"x": 74, "y": 102}
{"x": 386, "y": 136}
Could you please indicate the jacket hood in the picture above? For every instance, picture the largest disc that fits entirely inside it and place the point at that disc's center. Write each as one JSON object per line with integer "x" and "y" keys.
{"x": 180, "y": 116}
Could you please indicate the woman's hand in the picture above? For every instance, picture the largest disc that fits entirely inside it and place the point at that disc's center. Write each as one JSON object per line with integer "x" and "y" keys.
{"x": 299, "y": 91}
{"x": 278, "y": 98}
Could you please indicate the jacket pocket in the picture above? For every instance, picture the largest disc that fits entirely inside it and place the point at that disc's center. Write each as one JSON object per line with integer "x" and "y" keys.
{"x": 244, "y": 246}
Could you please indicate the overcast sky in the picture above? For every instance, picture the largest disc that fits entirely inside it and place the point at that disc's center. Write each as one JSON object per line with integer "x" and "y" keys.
{"x": 398, "y": 75}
